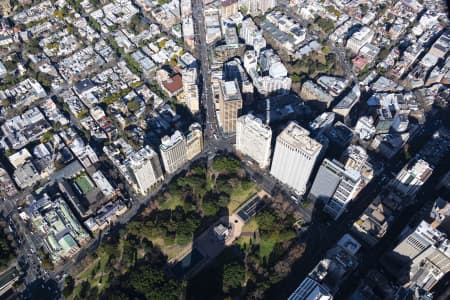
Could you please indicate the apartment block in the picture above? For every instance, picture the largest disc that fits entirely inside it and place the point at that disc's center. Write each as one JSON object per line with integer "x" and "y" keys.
{"x": 253, "y": 138}
{"x": 173, "y": 151}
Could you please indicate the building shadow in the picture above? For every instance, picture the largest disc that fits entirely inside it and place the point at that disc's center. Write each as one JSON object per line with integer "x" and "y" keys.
{"x": 203, "y": 266}
{"x": 316, "y": 243}
{"x": 41, "y": 289}
{"x": 398, "y": 266}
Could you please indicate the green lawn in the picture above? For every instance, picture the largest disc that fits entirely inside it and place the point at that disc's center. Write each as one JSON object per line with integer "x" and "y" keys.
{"x": 267, "y": 242}
{"x": 239, "y": 196}
{"x": 84, "y": 183}
{"x": 266, "y": 246}
{"x": 171, "y": 203}
{"x": 86, "y": 275}
{"x": 250, "y": 227}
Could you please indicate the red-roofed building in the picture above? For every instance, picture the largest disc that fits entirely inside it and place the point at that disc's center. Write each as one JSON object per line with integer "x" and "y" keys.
{"x": 173, "y": 85}
{"x": 359, "y": 62}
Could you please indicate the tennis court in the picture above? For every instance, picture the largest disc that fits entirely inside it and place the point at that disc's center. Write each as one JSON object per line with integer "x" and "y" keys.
{"x": 250, "y": 208}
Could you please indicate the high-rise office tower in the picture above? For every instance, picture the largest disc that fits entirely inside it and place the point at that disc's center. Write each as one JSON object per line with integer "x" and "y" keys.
{"x": 190, "y": 89}
{"x": 253, "y": 138}
{"x": 173, "y": 151}
{"x": 230, "y": 104}
{"x": 194, "y": 140}
{"x": 295, "y": 156}
{"x": 335, "y": 186}
{"x": 145, "y": 168}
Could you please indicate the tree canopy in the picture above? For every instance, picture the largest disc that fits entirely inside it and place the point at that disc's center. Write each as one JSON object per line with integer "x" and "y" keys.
{"x": 225, "y": 164}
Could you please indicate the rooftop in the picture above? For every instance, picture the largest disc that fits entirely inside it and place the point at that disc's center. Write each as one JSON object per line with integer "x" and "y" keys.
{"x": 298, "y": 137}
{"x": 168, "y": 142}
{"x": 230, "y": 90}
{"x": 256, "y": 125}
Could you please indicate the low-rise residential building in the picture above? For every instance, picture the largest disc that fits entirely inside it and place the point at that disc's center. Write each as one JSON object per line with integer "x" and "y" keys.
{"x": 173, "y": 85}
{"x": 24, "y": 93}
{"x": 25, "y": 128}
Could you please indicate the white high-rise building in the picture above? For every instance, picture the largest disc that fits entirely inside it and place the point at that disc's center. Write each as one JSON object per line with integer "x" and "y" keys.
{"x": 145, "y": 169}
{"x": 190, "y": 89}
{"x": 253, "y": 138}
{"x": 295, "y": 156}
{"x": 252, "y": 35}
{"x": 173, "y": 151}
{"x": 276, "y": 81}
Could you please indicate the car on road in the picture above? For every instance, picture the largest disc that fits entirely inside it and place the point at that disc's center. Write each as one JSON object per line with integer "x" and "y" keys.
{"x": 295, "y": 199}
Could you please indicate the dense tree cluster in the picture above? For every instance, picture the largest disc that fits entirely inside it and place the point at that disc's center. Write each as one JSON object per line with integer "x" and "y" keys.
{"x": 173, "y": 225}
{"x": 225, "y": 164}
{"x": 132, "y": 64}
{"x": 325, "y": 24}
{"x": 143, "y": 282}
{"x": 7, "y": 250}
{"x": 313, "y": 65}
{"x": 242, "y": 271}
{"x": 130, "y": 263}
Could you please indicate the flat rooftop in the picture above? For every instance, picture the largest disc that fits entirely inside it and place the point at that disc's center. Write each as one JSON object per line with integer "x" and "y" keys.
{"x": 230, "y": 90}
{"x": 298, "y": 137}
